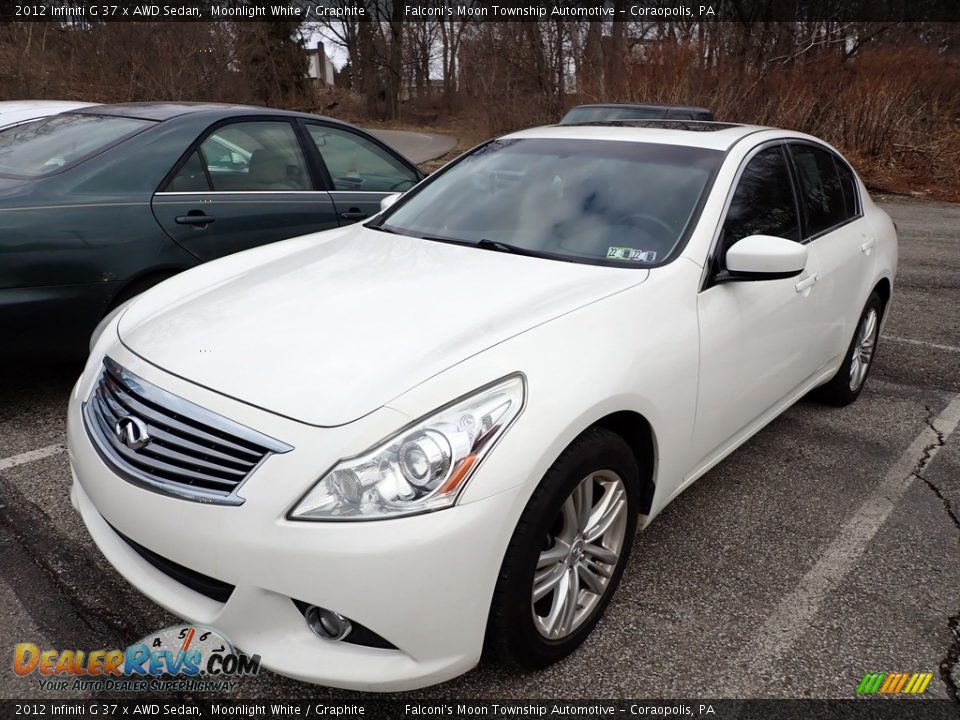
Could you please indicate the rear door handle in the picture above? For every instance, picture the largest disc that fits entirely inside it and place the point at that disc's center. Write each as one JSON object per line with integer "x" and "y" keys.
{"x": 195, "y": 218}
{"x": 866, "y": 245}
{"x": 807, "y": 282}
{"x": 354, "y": 214}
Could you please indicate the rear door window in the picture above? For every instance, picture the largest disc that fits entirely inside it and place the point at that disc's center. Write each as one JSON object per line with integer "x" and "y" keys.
{"x": 848, "y": 186}
{"x": 260, "y": 156}
{"x": 192, "y": 176}
{"x": 821, "y": 193}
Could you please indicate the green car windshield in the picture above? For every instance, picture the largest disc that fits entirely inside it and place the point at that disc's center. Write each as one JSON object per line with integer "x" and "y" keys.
{"x": 46, "y": 146}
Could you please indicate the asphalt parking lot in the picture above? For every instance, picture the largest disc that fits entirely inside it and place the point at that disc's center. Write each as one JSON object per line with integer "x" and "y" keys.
{"x": 827, "y": 547}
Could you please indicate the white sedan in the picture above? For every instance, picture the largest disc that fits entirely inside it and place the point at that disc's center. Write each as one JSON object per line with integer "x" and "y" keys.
{"x": 17, "y": 112}
{"x": 368, "y": 453}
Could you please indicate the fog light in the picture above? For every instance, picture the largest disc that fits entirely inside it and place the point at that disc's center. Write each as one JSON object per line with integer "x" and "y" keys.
{"x": 327, "y": 624}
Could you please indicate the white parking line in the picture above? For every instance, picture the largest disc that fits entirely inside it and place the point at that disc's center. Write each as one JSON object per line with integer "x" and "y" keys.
{"x": 922, "y": 343}
{"x": 28, "y": 457}
{"x": 796, "y": 610}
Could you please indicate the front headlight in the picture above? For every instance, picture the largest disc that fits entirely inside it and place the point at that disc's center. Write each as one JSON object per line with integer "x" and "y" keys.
{"x": 423, "y": 467}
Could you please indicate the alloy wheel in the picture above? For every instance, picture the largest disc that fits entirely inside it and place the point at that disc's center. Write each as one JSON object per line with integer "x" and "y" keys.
{"x": 863, "y": 348}
{"x": 580, "y": 555}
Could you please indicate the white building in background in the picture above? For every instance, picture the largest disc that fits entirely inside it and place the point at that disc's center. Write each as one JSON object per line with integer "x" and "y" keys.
{"x": 320, "y": 68}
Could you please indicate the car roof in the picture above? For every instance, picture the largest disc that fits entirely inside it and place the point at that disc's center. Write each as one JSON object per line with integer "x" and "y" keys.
{"x": 693, "y": 133}
{"x": 161, "y": 111}
{"x": 643, "y": 106}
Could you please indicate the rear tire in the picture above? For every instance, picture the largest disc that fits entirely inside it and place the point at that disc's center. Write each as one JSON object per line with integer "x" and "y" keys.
{"x": 567, "y": 554}
{"x": 846, "y": 385}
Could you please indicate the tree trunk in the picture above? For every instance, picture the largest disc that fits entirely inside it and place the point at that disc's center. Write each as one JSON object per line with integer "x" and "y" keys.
{"x": 591, "y": 85}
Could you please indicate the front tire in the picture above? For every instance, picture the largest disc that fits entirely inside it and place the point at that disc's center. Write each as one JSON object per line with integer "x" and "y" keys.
{"x": 568, "y": 552}
{"x": 846, "y": 385}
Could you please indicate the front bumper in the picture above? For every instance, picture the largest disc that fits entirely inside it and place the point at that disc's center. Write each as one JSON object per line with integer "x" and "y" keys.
{"x": 423, "y": 583}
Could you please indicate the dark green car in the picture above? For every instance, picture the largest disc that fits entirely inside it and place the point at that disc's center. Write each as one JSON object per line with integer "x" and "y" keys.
{"x": 100, "y": 204}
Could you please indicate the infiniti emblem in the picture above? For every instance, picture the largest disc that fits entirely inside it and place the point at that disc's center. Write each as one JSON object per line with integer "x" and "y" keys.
{"x": 132, "y": 432}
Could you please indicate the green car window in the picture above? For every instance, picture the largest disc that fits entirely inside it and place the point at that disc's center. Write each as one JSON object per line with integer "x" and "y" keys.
{"x": 46, "y": 146}
{"x": 192, "y": 176}
{"x": 355, "y": 163}
{"x": 246, "y": 157}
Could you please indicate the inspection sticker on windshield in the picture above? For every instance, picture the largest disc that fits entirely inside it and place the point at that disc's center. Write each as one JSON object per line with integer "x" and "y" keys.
{"x": 631, "y": 254}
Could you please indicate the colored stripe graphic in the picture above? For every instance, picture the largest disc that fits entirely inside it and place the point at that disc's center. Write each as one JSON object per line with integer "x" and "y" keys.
{"x": 894, "y": 683}
{"x": 891, "y": 681}
{"x": 871, "y": 683}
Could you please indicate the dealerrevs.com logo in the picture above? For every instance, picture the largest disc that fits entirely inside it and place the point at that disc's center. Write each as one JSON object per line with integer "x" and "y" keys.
{"x": 183, "y": 658}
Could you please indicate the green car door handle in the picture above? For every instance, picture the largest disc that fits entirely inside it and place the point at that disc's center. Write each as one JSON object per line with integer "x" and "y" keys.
{"x": 195, "y": 218}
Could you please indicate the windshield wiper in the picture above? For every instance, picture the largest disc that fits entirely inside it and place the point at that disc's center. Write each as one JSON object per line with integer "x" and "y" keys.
{"x": 485, "y": 244}
{"x": 498, "y": 246}
{"x": 383, "y": 229}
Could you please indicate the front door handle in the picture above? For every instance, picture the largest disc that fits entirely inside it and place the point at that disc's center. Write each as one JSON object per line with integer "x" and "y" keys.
{"x": 807, "y": 282}
{"x": 866, "y": 245}
{"x": 195, "y": 217}
{"x": 354, "y": 214}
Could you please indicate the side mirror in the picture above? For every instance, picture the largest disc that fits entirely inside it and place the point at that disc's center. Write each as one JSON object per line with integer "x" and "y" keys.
{"x": 389, "y": 200}
{"x": 765, "y": 257}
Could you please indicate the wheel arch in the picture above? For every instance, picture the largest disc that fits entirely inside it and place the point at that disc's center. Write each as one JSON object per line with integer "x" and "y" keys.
{"x": 638, "y": 433}
{"x": 884, "y": 288}
{"x": 141, "y": 283}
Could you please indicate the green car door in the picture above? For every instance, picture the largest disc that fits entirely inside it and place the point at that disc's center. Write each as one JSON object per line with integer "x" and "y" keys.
{"x": 246, "y": 183}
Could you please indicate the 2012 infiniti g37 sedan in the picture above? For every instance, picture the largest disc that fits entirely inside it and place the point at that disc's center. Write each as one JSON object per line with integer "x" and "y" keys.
{"x": 368, "y": 453}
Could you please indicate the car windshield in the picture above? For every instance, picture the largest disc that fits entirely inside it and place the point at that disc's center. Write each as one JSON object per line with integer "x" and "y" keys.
{"x": 599, "y": 114}
{"x": 45, "y": 146}
{"x": 594, "y": 201}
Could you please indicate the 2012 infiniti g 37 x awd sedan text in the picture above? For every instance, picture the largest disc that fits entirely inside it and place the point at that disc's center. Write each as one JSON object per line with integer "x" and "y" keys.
{"x": 368, "y": 453}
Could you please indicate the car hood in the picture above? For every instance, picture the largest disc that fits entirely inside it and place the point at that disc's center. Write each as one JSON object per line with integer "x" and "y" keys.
{"x": 329, "y": 327}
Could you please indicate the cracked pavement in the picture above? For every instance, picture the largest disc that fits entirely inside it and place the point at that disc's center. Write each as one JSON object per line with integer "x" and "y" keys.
{"x": 949, "y": 671}
{"x": 942, "y": 481}
{"x": 757, "y": 581}
{"x": 948, "y": 504}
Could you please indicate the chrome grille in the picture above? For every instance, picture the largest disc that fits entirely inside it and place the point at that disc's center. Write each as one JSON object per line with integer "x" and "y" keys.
{"x": 165, "y": 443}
